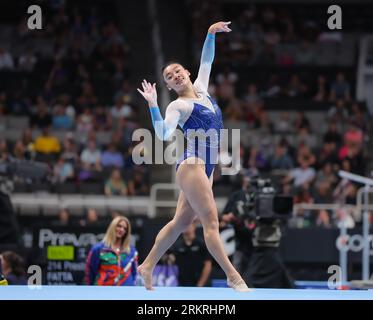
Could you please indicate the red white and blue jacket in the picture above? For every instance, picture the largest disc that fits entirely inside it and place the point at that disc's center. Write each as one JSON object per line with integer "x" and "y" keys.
{"x": 105, "y": 267}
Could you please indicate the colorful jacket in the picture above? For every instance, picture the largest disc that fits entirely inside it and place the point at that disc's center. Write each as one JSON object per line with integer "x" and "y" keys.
{"x": 105, "y": 267}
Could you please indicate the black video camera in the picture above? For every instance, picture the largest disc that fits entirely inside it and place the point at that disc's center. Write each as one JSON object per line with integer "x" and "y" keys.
{"x": 265, "y": 203}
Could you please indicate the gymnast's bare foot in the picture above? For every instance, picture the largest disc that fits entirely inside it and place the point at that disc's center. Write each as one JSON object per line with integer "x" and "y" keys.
{"x": 146, "y": 274}
{"x": 238, "y": 284}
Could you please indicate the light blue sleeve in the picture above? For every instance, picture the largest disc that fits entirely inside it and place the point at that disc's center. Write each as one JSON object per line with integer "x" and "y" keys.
{"x": 207, "y": 58}
{"x": 164, "y": 128}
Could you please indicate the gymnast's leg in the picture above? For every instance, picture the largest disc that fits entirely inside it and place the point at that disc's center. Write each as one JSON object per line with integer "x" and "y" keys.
{"x": 184, "y": 216}
{"x": 198, "y": 192}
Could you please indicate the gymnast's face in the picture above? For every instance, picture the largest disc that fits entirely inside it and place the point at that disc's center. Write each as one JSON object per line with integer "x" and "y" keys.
{"x": 176, "y": 77}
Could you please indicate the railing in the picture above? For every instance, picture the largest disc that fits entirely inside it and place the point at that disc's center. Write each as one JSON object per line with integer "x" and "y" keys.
{"x": 49, "y": 203}
{"x": 154, "y": 203}
{"x": 360, "y": 211}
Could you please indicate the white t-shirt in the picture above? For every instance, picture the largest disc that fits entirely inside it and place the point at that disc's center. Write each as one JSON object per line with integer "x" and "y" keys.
{"x": 301, "y": 176}
{"x": 90, "y": 157}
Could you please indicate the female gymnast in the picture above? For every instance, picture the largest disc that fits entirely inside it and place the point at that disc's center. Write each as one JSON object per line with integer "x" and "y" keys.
{"x": 193, "y": 110}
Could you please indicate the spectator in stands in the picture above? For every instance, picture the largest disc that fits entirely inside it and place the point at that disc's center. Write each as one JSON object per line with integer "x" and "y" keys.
{"x": 267, "y": 56}
{"x": 61, "y": 121}
{"x": 12, "y": 266}
{"x": 273, "y": 88}
{"x": 85, "y": 121}
{"x": 234, "y": 111}
{"x": 303, "y": 152}
{"x": 69, "y": 152}
{"x": 27, "y": 61}
{"x": 359, "y": 117}
{"x": 323, "y": 219}
{"x": 332, "y": 135}
{"x": 19, "y": 150}
{"x": 286, "y": 59}
{"x": 28, "y": 142}
{"x": 304, "y": 216}
{"x": 256, "y": 160}
{"x": 126, "y": 92}
{"x": 272, "y": 37}
{"x": 321, "y": 94}
{"x": 305, "y": 137}
{"x": 121, "y": 109}
{"x": 139, "y": 185}
{"x": 115, "y": 214}
{"x": 295, "y": 87}
{"x": 303, "y": 175}
{"x": 340, "y": 88}
{"x": 91, "y": 157}
{"x": 41, "y": 117}
{"x": 354, "y": 155}
{"x": 46, "y": 143}
{"x": 4, "y": 151}
{"x": 64, "y": 100}
{"x": 324, "y": 185}
{"x": 281, "y": 159}
{"x": 283, "y": 124}
{"x": 192, "y": 259}
{"x": 91, "y": 219}
{"x": 111, "y": 157}
{"x": 305, "y": 53}
{"x": 264, "y": 124}
{"x": 301, "y": 121}
{"x": 338, "y": 112}
{"x": 115, "y": 185}
{"x": 102, "y": 119}
{"x": 63, "y": 170}
{"x": 113, "y": 261}
{"x": 18, "y": 104}
{"x": 58, "y": 74}
{"x": 63, "y": 218}
{"x": 344, "y": 215}
{"x": 328, "y": 154}
{"x": 226, "y": 86}
{"x": 353, "y": 136}
{"x": 326, "y": 178}
{"x": 251, "y": 95}
{"x": 6, "y": 60}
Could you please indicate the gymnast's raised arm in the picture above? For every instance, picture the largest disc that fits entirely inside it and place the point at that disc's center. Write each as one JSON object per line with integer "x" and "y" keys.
{"x": 208, "y": 53}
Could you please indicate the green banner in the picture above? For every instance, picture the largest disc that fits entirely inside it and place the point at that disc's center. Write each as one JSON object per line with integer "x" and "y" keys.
{"x": 60, "y": 253}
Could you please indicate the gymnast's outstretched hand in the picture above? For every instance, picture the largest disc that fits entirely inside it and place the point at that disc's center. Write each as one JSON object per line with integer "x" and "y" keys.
{"x": 220, "y": 27}
{"x": 149, "y": 93}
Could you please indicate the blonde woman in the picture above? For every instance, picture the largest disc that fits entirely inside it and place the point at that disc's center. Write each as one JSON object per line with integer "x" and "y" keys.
{"x": 113, "y": 261}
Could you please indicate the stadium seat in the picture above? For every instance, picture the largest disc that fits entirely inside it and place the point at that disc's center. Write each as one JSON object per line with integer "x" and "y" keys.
{"x": 91, "y": 188}
{"x": 66, "y": 188}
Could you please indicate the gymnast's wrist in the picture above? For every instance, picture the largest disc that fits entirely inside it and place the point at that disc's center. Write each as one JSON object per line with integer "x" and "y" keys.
{"x": 211, "y": 34}
{"x": 153, "y": 105}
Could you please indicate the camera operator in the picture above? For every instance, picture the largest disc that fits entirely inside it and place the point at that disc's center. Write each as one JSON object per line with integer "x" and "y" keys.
{"x": 266, "y": 269}
{"x": 234, "y": 214}
{"x": 258, "y": 215}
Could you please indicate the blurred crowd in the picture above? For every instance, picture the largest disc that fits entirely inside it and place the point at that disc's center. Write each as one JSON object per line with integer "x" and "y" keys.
{"x": 264, "y": 34}
{"x": 81, "y": 117}
{"x": 301, "y": 154}
{"x": 82, "y": 114}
